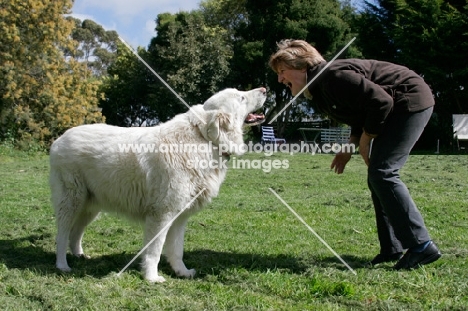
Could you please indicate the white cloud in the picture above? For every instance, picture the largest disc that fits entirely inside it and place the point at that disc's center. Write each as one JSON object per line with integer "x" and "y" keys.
{"x": 150, "y": 26}
{"x": 131, "y": 8}
{"x": 134, "y": 20}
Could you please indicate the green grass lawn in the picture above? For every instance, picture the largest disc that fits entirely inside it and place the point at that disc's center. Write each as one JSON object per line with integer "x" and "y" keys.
{"x": 249, "y": 250}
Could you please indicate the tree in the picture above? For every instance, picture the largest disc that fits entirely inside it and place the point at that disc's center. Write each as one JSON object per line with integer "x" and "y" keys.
{"x": 97, "y": 46}
{"x": 193, "y": 56}
{"x": 128, "y": 100}
{"x": 41, "y": 94}
{"x": 228, "y": 14}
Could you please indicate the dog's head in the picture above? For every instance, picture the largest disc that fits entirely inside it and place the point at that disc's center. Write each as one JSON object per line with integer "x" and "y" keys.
{"x": 226, "y": 113}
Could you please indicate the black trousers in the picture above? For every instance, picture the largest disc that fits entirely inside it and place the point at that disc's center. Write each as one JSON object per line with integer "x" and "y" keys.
{"x": 399, "y": 223}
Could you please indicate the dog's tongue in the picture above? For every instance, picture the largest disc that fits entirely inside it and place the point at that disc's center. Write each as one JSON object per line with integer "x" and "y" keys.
{"x": 252, "y": 117}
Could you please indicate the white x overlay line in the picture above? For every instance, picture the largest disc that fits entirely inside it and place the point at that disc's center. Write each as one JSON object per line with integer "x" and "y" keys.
{"x": 159, "y": 77}
{"x": 312, "y": 230}
{"x": 313, "y": 79}
{"x": 159, "y": 233}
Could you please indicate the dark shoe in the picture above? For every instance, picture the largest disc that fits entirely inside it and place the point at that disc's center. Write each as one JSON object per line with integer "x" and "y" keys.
{"x": 413, "y": 260}
{"x": 380, "y": 258}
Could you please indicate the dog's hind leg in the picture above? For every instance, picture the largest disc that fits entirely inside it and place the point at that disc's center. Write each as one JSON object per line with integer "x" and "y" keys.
{"x": 76, "y": 234}
{"x": 174, "y": 246}
{"x": 67, "y": 201}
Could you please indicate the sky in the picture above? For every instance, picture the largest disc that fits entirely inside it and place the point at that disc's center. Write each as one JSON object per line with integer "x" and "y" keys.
{"x": 134, "y": 20}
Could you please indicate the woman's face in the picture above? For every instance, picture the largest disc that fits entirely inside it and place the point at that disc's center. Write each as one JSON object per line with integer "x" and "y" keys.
{"x": 295, "y": 79}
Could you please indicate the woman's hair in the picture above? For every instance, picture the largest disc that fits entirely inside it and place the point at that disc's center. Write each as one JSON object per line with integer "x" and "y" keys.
{"x": 295, "y": 54}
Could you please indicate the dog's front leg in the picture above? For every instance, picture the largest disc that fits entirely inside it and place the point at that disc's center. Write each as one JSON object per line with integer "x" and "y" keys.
{"x": 154, "y": 227}
{"x": 175, "y": 246}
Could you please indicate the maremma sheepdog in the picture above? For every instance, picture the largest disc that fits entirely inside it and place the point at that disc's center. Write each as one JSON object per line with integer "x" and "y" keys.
{"x": 92, "y": 169}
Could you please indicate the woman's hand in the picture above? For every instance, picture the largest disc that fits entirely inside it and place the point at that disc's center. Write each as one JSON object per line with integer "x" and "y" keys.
{"x": 340, "y": 161}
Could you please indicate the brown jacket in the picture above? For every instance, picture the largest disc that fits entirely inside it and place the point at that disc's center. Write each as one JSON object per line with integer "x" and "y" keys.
{"x": 362, "y": 93}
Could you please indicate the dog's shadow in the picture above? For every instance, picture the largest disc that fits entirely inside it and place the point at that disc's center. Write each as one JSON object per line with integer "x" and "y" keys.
{"x": 24, "y": 254}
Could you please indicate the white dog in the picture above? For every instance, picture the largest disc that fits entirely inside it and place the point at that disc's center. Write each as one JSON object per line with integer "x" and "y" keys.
{"x": 92, "y": 169}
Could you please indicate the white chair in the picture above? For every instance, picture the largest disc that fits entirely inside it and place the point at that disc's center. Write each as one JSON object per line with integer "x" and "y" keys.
{"x": 268, "y": 136}
{"x": 460, "y": 128}
{"x": 339, "y": 135}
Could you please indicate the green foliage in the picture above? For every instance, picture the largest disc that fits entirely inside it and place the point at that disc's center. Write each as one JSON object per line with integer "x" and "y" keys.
{"x": 228, "y": 14}
{"x": 128, "y": 99}
{"x": 42, "y": 95}
{"x": 192, "y": 55}
{"x": 97, "y": 46}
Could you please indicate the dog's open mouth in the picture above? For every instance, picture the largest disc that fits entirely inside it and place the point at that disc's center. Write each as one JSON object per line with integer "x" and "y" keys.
{"x": 254, "y": 119}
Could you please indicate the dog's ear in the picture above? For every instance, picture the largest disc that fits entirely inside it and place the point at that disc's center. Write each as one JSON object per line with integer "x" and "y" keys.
{"x": 204, "y": 121}
{"x": 212, "y": 128}
{"x": 217, "y": 122}
{"x": 220, "y": 121}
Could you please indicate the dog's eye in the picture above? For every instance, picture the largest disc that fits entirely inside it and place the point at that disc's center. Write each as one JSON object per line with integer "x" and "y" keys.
{"x": 242, "y": 98}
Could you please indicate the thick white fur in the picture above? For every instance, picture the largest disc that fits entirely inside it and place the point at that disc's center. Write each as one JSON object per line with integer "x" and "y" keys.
{"x": 89, "y": 174}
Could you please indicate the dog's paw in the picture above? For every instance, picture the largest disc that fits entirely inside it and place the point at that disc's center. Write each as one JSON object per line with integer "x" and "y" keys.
{"x": 155, "y": 279}
{"x": 82, "y": 256}
{"x": 64, "y": 268}
{"x": 187, "y": 273}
